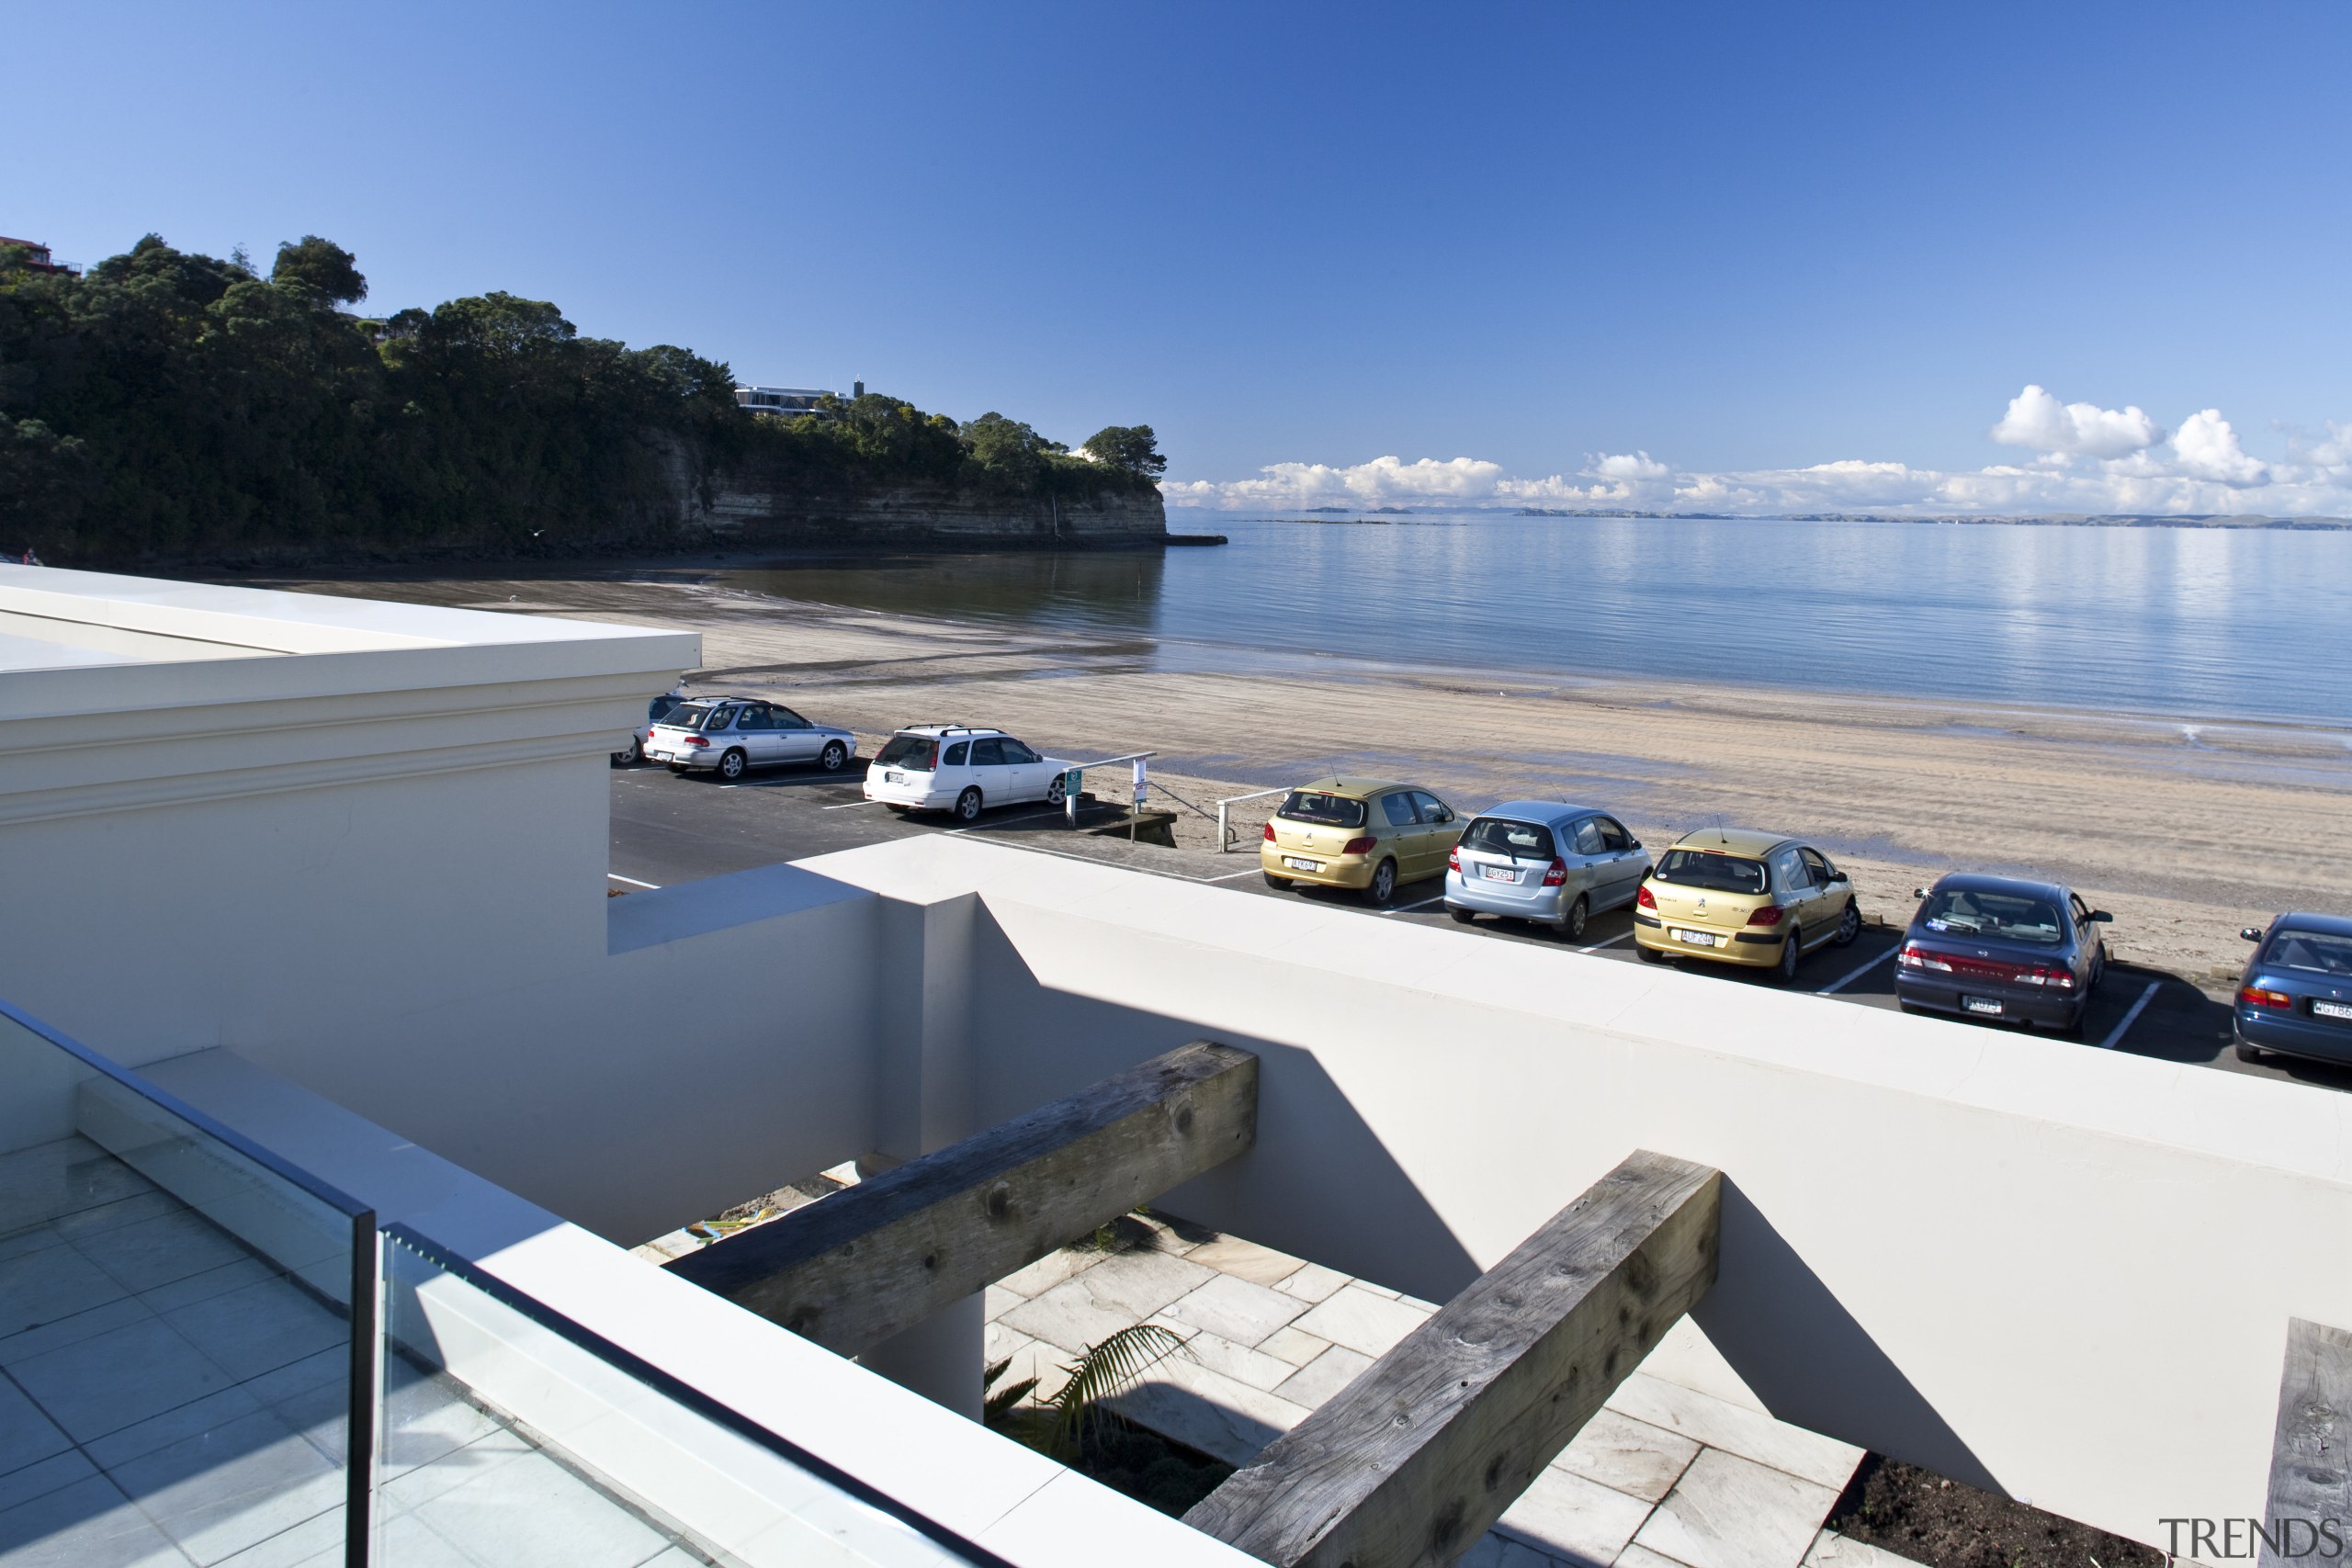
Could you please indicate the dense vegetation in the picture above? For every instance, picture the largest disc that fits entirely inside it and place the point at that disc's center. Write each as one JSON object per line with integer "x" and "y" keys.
{"x": 171, "y": 406}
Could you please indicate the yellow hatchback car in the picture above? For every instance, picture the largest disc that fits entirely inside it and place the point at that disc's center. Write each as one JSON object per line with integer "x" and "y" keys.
{"x": 1739, "y": 897}
{"x": 1367, "y": 834}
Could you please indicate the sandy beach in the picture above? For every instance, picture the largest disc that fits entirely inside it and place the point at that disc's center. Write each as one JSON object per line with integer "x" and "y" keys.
{"x": 2185, "y": 832}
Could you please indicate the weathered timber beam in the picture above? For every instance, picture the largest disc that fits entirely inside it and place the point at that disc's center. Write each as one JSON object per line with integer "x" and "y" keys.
{"x": 854, "y": 1270}
{"x": 2311, "y": 1457}
{"x": 1413, "y": 1462}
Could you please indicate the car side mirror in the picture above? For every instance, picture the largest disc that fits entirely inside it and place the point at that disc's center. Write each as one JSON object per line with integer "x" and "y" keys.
{"x": 2251, "y": 933}
{"x": 2101, "y": 916}
{"x": 1918, "y": 893}
{"x": 1636, "y": 844}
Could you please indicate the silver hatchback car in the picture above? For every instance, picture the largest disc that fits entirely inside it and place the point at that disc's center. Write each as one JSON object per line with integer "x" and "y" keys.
{"x": 1543, "y": 861}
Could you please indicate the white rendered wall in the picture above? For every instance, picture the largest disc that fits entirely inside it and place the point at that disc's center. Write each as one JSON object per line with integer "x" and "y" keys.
{"x": 2060, "y": 1272}
{"x": 366, "y": 845}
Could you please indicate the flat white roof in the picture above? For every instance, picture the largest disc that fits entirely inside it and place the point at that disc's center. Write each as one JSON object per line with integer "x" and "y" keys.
{"x": 55, "y": 619}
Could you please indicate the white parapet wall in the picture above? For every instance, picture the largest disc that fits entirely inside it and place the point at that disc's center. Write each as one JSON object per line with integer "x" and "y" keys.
{"x": 2044, "y": 1268}
{"x": 366, "y": 844}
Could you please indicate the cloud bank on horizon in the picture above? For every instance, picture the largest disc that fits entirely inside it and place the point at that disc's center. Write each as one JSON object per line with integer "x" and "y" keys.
{"x": 2082, "y": 458}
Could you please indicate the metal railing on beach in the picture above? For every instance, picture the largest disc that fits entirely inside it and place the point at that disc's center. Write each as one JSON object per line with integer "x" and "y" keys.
{"x": 1223, "y": 828}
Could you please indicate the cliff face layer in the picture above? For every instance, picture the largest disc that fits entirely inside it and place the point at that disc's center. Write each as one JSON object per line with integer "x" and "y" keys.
{"x": 748, "y": 515}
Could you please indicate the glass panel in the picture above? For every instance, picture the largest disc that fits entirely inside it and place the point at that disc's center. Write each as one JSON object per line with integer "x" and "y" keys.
{"x": 175, "y": 1326}
{"x": 504, "y": 1424}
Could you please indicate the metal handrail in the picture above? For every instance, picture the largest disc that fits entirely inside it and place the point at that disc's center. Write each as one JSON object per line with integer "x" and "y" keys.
{"x": 1223, "y": 831}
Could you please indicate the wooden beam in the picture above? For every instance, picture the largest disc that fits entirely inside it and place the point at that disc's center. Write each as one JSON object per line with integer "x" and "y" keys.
{"x": 865, "y": 1262}
{"x": 1413, "y": 1462}
{"x": 2311, "y": 1457}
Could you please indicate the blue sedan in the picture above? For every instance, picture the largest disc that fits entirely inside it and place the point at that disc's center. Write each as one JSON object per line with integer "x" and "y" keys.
{"x": 2295, "y": 998}
{"x": 1999, "y": 948}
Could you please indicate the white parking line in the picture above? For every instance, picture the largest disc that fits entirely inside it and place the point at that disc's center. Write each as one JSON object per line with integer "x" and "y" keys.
{"x": 846, "y": 804}
{"x": 1831, "y": 990}
{"x": 632, "y": 881}
{"x": 1234, "y": 876}
{"x": 1409, "y": 908}
{"x": 2115, "y": 1034}
{"x": 1613, "y": 941}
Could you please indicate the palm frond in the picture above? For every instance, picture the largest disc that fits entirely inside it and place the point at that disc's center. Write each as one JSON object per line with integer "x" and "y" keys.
{"x": 1003, "y": 1402}
{"x": 1105, "y": 1371}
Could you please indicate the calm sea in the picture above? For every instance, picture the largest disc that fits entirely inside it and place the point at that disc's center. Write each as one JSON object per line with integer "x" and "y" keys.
{"x": 2194, "y": 623}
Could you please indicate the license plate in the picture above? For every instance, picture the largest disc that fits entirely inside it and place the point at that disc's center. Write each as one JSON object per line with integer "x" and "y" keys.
{"x": 1696, "y": 939}
{"x": 1298, "y": 865}
{"x": 2333, "y": 1010}
{"x": 894, "y": 778}
{"x": 1498, "y": 873}
{"x": 1980, "y": 1004}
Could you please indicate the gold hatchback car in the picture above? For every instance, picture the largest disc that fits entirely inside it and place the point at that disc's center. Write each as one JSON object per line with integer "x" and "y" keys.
{"x": 1740, "y": 896}
{"x": 1367, "y": 834}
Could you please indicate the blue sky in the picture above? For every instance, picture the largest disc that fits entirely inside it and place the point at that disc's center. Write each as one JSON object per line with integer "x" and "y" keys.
{"x": 1670, "y": 255}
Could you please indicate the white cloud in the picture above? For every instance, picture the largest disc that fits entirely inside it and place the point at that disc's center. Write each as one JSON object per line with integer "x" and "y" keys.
{"x": 2335, "y": 452}
{"x": 2087, "y": 459}
{"x": 2205, "y": 447}
{"x": 2040, "y": 421}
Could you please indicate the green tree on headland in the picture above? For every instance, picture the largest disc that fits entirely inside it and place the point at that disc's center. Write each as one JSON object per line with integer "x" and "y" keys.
{"x": 322, "y": 265}
{"x": 174, "y": 406}
{"x": 1130, "y": 448}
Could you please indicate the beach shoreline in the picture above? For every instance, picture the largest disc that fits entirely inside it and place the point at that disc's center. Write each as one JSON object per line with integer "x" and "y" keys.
{"x": 2188, "y": 829}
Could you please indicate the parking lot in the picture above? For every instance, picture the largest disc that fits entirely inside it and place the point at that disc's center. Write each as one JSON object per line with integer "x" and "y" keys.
{"x": 668, "y": 829}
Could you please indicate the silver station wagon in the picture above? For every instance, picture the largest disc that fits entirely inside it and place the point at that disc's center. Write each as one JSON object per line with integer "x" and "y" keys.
{"x": 731, "y": 735}
{"x": 1543, "y": 861}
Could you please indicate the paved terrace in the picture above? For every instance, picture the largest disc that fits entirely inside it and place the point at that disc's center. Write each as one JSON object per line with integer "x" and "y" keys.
{"x": 1665, "y": 1475}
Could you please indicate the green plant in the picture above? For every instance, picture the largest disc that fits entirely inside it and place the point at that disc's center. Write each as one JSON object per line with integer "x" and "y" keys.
{"x": 1107, "y": 1369}
{"x": 998, "y": 1404}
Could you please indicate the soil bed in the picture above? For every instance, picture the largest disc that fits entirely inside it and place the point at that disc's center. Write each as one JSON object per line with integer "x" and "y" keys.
{"x": 1946, "y": 1524}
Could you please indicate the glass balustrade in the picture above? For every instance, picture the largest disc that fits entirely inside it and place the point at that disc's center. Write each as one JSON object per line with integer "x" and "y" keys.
{"x": 178, "y": 1335}
{"x": 511, "y": 1433}
{"x": 206, "y": 1351}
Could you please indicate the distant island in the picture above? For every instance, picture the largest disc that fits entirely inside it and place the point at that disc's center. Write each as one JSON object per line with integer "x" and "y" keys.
{"x": 173, "y": 409}
{"x": 2045, "y": 520}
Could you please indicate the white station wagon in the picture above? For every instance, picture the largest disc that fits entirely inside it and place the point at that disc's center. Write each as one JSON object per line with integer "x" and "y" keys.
{"x": 730, "y": 735}
{"x": 953, "y": 767}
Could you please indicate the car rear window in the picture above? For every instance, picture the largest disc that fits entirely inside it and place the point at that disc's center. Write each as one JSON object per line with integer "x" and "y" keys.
{"x": 1711, "y": 868}
{"x": 656, "y": 710}
{"x": 2011, "y": 917}
{"x": 1500, "y": 836}
{"x": 2315, "y": 953}
{"x": 688, "y": 716}
{"x": 1325, "y": 810}
{"x": 920, "y": 752}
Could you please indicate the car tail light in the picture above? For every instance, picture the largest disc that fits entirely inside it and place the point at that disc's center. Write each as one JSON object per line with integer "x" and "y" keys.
{"x": 1359, "y": 846}
{"x": 2256, "y": 997}
{"x": 1556, "y": 875}
{"x": 1453, "y": 860}
{"x": 1916, "y": 957}
{"x": 1270, "y": 832}
{"x": 696, "y": 740}
{"x": 1643, "y": 899}
{"x": 1770, "y": 915}
{"x": 2040, "y": 975}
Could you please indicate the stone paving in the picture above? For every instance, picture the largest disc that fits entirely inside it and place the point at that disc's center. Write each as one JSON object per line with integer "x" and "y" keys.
{"x": 1663, "y": 1477}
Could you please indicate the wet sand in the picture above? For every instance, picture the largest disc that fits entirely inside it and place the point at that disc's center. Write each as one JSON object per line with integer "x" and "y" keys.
{"x": 2185, "y": 832}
